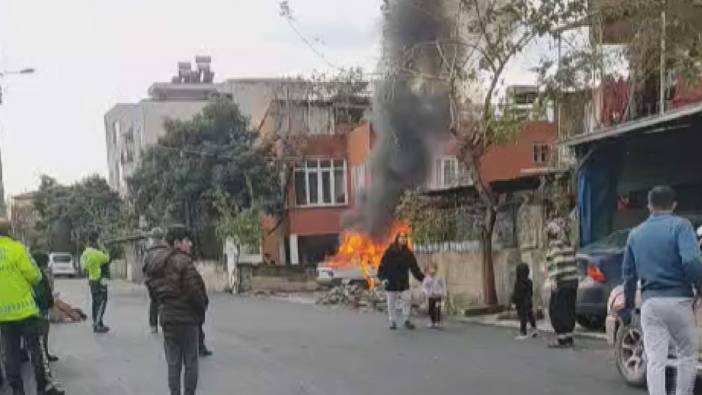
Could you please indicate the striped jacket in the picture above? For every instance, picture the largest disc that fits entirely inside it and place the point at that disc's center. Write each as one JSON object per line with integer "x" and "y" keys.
{"x": 561, "y": 263}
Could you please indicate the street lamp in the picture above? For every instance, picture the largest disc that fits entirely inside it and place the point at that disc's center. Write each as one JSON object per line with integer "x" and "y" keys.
{"x": 28, "y": 70}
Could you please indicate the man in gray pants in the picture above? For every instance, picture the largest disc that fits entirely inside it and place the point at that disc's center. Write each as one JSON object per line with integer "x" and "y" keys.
{"x": 662, "y": 252}
{"x": 180, "y": 293}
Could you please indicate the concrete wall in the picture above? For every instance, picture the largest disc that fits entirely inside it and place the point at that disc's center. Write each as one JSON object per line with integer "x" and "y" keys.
{"x": 463, "y": 272}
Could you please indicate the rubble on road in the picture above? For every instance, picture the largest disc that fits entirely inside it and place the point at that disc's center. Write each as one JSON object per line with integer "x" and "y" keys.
{"x": 355, "y": 295}
{"x": 63, "y": 312}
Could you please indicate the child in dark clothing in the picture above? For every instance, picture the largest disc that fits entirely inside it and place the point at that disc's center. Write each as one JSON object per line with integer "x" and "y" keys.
{"x": 522, "y": 299}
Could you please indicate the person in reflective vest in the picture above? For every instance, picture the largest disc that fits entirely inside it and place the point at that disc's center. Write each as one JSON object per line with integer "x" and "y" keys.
{"x": 20, "y": 317}
{"x": 95, "y": 262}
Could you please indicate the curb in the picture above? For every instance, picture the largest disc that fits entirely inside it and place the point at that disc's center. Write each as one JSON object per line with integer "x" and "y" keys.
{"x": 515, "y": 325}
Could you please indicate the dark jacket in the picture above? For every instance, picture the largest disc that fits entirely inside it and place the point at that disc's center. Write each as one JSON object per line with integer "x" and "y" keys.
{"x": 155, "y": 250}
{"x": 43, "y": 294}
{"x": 523, "y": 287}
{"x": 395, "y": 267}
{"x": 177, "y": 286}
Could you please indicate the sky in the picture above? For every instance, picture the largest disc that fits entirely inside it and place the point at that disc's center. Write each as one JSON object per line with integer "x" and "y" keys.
{"x": 92, "y": 54}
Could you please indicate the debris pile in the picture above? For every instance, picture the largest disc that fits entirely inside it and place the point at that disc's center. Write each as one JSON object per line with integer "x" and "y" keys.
{"x": 63, "y": 312}
{"x": 355, "y": 295}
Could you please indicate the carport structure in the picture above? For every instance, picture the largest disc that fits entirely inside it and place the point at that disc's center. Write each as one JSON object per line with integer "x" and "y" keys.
{"x": 618, "y": 165}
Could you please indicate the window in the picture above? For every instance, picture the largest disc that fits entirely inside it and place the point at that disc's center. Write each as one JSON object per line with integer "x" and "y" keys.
{"x": 116, "y": 131}
{"x": 541, "y": 152}
{"x": 320, "y": 182}
{"x": 358, "y": 179}
{"x": 449, "y": 173}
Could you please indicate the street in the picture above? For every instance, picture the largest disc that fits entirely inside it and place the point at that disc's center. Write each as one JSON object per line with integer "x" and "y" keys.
{"x": 277, "y": 348}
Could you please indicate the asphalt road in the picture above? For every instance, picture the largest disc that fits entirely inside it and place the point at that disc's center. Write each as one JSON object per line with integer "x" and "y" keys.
{"x": 266, "y": 347}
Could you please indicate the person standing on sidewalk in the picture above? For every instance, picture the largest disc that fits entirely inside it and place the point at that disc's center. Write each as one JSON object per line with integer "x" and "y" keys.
{"x": 395, "y": 266}
{"x": 563, "y": 274}
{"x": 182, "y": 298}
{"x": 95, "y": 262}
{"x": 522, "y": 297}
{"x": 19, "y": 316}
{"x": 663, "y": 254}
{"x": 157, "y": 245}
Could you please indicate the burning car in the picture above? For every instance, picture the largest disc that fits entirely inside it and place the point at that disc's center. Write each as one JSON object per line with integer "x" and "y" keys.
{"x": 329, "y": 275}
{"x": 358, "y": 258}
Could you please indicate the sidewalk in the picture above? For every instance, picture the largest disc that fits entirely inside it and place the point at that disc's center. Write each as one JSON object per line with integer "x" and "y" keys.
{"x": 543, "y": 325}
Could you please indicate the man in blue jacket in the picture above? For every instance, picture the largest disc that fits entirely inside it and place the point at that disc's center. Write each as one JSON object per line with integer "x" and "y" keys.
{"x": 663, "y": 254}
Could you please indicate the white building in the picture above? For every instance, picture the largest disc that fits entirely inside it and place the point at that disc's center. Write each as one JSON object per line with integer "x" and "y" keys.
{"x": 130, "y": 128}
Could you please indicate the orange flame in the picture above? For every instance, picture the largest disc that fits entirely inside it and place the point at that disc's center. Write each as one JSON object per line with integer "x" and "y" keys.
{"x": 360, "y": 250}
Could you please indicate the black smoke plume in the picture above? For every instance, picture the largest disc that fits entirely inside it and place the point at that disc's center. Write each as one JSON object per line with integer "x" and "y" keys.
{"x": 410, "y": 111}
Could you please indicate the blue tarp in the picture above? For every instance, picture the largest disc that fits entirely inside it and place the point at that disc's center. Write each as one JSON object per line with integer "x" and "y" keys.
{"x": 597, "y": 192}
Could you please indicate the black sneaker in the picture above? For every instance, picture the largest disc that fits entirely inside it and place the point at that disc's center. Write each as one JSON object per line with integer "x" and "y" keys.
{"x": 409, "y": 325}
{"x": 204, "y": 352}
{"x": 561, "y": 344}
{"x": 52, "y": 358}
{"x": 393, "y": 326}
{"x": 101, "y": 329}
{"x": 54, "y": 390}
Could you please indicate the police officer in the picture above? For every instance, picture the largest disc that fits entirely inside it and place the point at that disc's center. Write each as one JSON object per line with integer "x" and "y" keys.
{"x": 95, "y": 262}
{"x": 19, "y": 315}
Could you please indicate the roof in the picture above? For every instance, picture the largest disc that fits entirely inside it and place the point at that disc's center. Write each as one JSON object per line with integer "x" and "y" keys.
{"x": 180, "y": 91}
{"x": 25, "y": 196}
{"x": 634, "y": 126}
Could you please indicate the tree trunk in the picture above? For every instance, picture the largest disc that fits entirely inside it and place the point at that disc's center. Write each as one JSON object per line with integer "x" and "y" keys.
{"x": 489, "y": 289}
{"x": 488, "y": 227}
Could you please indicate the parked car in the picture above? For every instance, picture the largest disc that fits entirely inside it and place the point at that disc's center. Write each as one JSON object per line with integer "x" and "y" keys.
{"x": 627, "y": 341}
{"x": 62, "y": 264}
{"x": 327, "y": 275}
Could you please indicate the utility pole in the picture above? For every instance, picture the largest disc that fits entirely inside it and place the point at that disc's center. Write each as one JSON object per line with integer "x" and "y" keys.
{"x": 661, "y": 104}
{"x": 3, "y": 207}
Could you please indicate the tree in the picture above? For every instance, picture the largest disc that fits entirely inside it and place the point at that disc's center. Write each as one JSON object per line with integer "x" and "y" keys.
{"x": 479, "y": 41}
{"x": 216, "y": 152}
{"x": 69, "y": 215}
{"x": 655, "y": 38}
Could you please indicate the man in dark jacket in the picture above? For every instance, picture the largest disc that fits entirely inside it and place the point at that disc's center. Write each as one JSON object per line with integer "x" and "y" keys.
{"x": 394, "y": 270}
{"x": 157, "y": 245}
{"x": 182, "y": 299}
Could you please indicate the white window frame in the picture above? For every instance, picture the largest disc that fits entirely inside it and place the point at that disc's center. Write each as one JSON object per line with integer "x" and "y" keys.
{"x": 439, "y": 181}
{"x": 358, "y": 179}
{"x": 320, "y": 189}
{"x": 116, "y": 131}
{"x": 540, "y": 148}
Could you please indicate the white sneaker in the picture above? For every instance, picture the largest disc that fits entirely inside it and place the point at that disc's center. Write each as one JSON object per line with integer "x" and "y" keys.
{"x": 534, "y": 333}
{"x": 522, "y": 337}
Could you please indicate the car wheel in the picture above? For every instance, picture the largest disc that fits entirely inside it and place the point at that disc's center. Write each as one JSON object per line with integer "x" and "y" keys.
{"x": 630, "y": 355}
{"x": 591, "y": 322}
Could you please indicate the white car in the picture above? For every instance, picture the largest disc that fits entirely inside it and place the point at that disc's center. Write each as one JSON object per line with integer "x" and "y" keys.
{"x": 62, "y": 264}
{"x": 340, "y": 276}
